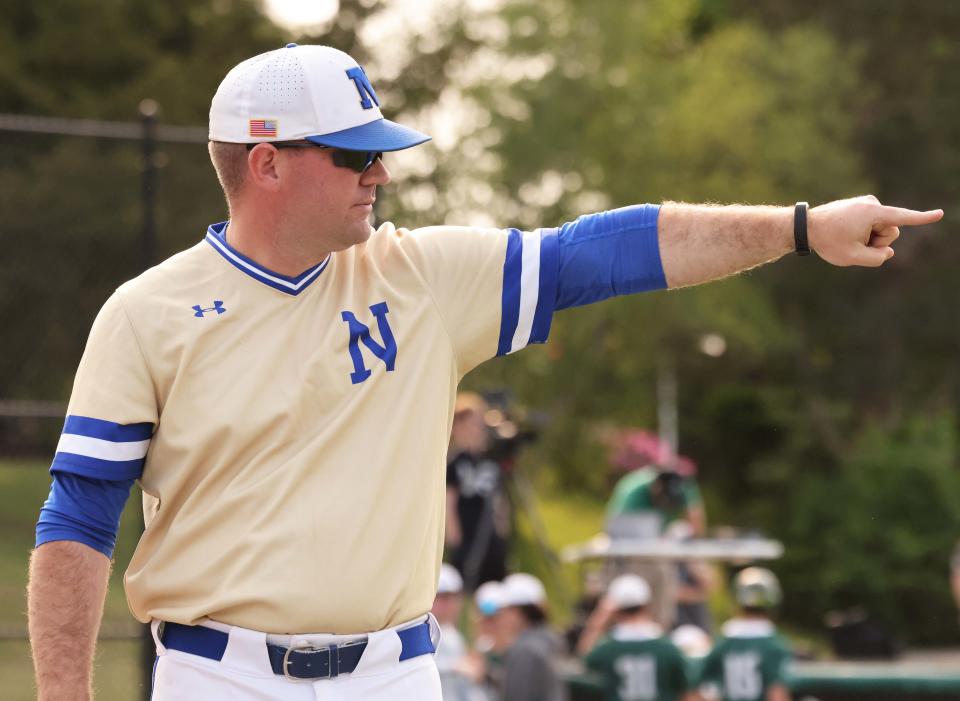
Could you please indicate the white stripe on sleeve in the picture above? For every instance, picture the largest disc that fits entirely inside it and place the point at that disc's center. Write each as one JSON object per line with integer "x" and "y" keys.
{"x": 101, "y": 449}
{"x": 529, "y": 289}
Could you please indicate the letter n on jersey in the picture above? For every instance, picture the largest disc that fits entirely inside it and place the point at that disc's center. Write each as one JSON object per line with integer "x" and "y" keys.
{"x": 361, "y": 333}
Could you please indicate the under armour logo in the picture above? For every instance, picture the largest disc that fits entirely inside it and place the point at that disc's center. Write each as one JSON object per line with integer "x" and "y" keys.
{"x": 217, "y": 307}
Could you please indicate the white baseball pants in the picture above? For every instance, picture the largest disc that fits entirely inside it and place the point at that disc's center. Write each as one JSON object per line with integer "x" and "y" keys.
{"x": 244, "y": 673}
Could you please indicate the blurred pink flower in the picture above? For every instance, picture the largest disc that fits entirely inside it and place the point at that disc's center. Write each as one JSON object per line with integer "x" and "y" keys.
{"x": 633, "y": 448}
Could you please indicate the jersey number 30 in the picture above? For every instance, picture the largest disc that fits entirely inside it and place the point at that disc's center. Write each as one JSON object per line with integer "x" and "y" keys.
{"x": 638, "y": 677}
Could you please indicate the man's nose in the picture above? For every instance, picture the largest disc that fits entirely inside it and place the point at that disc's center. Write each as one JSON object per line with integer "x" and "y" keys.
{"x": 377, "y": 174}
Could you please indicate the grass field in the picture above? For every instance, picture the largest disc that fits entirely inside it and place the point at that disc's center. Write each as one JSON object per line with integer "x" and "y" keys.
{"x": 23, "y": 489}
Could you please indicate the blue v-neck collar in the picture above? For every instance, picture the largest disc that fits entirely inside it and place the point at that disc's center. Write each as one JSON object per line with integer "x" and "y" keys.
{"x": 217, "y": 237}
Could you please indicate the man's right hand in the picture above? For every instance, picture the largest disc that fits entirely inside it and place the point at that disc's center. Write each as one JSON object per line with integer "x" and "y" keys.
{"x": 860, "y": 230}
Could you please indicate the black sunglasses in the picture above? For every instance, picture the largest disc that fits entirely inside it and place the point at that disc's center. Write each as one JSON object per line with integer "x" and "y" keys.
{"x": 357, "y": 161}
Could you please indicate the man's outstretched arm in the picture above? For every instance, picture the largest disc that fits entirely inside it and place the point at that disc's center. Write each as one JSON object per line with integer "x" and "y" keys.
{"x": 699, "y": 243}
{"x": 68, "y": 584}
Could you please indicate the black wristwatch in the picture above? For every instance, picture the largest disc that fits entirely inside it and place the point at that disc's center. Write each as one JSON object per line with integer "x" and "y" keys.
{"x": 800, "y": 229}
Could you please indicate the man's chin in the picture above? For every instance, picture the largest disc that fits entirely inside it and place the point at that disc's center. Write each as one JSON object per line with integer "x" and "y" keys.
{"x": 365, "y": 230}
{"x": 356, "y": 235}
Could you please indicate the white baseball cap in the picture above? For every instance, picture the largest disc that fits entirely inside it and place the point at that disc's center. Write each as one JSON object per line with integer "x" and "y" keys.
{"x": 450, "y": 580}
{"x": 489, "y": 598}
{"x": 692, "y": 640}
{"x": 316, "y": 93}
{"x": 523, "y": 589}
{"x": 629, "y": 590}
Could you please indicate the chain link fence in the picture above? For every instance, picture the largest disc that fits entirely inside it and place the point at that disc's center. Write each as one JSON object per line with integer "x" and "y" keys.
{"x": 88, "y": 205}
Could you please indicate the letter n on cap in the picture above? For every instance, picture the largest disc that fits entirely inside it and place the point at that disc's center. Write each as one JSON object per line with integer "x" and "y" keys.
{"x": 364, "y": 87}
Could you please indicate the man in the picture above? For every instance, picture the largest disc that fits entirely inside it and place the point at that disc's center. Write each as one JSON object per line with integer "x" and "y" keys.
{"x": 635, "y": 661}
{"x": 532, "y": 648}
{"x": 695, "y": 580}
{"x": 749, "y": 662}
{"x": 461, "y": 669}
{"x": 663, "y": 490}
{"x": 488, "y": 599}
{"x": 283, "y": 392}
{"x": 663, "y": 500}
{"x": 477, "y": 513}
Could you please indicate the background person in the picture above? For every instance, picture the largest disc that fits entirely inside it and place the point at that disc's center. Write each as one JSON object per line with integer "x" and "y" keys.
{"x": 662, "y": 500}
{"x": 477, "y": 516}
{"x": 532, "y": 647}
{"x": 461, "y": 669}
{"x": 488, "y": 599}
{"x": 693, "y": 641}
{"x": 695, "y": 580}
{"x": 664, "y": 490}
{"x": 749, "y": 663}
{"x": 488, "y": 640}
{"x": 635, "y": 660}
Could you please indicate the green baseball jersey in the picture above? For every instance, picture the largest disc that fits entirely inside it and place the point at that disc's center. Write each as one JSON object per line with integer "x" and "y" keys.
{"x": 746, "y": 661}
{"x": 632, "y": 495}
{"x": 638, "y": 664}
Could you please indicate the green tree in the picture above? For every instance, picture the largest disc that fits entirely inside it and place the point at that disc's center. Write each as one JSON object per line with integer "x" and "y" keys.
{"x": 636, "y": 102}
{"x": 606, "y": 104}
{"x": 72, "y": 205}
{"x": 878, "y": 532}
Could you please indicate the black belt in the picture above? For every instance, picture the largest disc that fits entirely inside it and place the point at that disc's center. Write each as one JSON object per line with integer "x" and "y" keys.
{"x": 294, "y": 662}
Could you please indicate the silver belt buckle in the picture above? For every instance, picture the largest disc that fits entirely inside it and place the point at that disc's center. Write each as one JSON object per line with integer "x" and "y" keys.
{"x": 334, "y": 664}
{"x": 306, "y": 647}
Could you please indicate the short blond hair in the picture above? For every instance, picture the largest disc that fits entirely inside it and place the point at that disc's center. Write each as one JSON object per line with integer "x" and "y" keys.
{"x": 230, "y": 162}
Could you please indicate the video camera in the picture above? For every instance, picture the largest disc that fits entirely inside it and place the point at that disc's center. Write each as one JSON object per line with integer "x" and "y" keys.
{"x": 670, "y": 488}
{"x": 509, "y": 431}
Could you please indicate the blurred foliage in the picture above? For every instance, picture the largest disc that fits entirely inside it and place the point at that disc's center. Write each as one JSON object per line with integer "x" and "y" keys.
{"x": 831, "y": 419}
{"x": 875, "y": 533}
{"x": 908, "y": 88}
{"x": 72, "y": 205}
{"x": 72, "y": 208}
{"x": 729, "y": 113}
{"x": 809, "y": 426}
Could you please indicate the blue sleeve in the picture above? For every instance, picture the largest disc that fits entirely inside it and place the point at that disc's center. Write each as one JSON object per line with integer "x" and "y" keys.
{"x": 607, "y": 254}
{"x": 83, "y": 509}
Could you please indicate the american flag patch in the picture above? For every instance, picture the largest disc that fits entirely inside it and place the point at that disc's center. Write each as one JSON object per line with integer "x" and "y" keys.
{"x": 263, "y": 127}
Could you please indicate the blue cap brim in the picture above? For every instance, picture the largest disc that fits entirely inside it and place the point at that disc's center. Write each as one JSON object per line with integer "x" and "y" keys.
{"x": 488, "y": 608}
{"x": 379, "y": 135}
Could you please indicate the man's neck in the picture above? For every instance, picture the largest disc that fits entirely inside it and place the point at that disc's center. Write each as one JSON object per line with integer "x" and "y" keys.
{"x": 640, "y": 627}
{"x": 265, "y": 243}
{"x": 748, "y": 627}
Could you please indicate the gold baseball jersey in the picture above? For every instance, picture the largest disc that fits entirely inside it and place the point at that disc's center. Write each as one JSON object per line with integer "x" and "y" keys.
{"x": 290, "y": 433}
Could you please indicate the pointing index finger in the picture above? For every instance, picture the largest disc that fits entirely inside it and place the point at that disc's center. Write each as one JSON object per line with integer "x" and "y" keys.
{"x": 898, "y": 216}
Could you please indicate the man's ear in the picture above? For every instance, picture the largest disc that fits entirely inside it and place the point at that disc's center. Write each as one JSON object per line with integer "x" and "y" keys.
{"x": 262, "y": 167}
